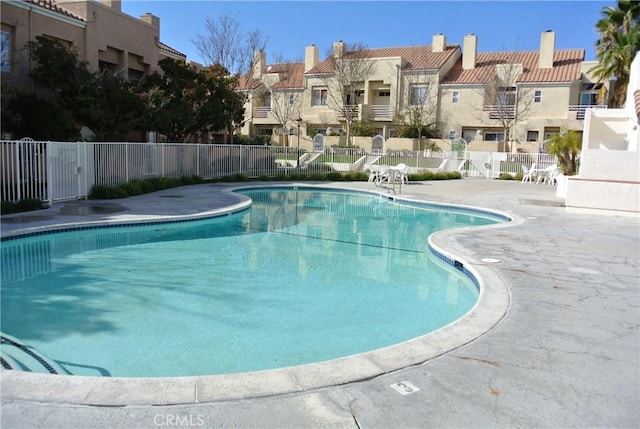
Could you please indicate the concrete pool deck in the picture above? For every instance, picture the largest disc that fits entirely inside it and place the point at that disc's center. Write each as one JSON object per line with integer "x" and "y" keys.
{"x": 566, "y": 353}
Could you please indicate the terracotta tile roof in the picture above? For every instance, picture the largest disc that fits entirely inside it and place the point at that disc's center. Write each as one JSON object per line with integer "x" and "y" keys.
{"x": 170, "y": 49}
{"x": 54, "y": 7}
{"x": 247, "y": 83}
{"x": 290, "y": 77}
{"x": 416, "y": 58}
{"x": 566, "y": 67}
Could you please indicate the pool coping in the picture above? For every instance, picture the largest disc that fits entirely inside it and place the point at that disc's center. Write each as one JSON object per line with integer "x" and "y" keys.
{"x": 492, "y": 305}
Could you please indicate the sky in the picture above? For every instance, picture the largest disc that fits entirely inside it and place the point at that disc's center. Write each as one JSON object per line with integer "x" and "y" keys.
{"x": 292, "y": 25}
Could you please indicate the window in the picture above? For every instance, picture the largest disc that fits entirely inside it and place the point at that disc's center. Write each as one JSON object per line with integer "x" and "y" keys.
{"x": 264, "y": 131}
{"x": 384, "y": 94}
{"x": 265, "y": 100}
{"x": 506, "y": 96}
{"x": 537, "y": 96}
{"x": 319, "y": 97}
{"x": 452, "y": 134}
{"x": 392, "y": 133}
{"x": 455, "y": 97}
{"x": 6, "y": 52}
{"x": 589, "y": 94}
{"x": 493, "y": 136}
{"x": 292, "y": 99}
{"x": 418, "y": 94}
{"x": 532, "y": 136}
{"x": 469, "y": 135}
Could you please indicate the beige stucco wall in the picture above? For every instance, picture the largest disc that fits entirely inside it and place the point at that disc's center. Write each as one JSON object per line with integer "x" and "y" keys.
{"x": 139, "y": 39}
{"x": 24, "y": 23}
{"x": 106, "y": 34}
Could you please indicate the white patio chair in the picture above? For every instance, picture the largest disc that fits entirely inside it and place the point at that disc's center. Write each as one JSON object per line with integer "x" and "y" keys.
{"x": 545, "y": 174}
{"x": 404, "y": 172}
{"x": 527, "y": 173}
{"x": 551, "y": 178}
{"x": 374, "y": 172}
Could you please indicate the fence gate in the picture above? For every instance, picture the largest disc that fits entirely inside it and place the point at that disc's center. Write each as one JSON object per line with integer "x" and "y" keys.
{"x": 318, "y": 143}
{"x": 377, "y": 145}
{"x": 68, "y": 169}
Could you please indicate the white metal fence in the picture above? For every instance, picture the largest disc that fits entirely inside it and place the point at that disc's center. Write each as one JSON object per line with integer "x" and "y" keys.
{"x": 56, "y": 171}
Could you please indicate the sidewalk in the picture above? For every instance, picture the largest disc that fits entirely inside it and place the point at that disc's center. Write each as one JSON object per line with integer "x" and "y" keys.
{"x": 566, "y": 353}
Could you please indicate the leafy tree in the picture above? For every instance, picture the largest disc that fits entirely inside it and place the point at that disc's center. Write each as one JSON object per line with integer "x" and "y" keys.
{"x": 104, "y": 101}
{"x": 173, "y": 98}
{"x": 225, "y": 106}
{"x": 619, "y": 30}
{"x": 566, "y": 146}
{"x": 27, "y": 115}
{"x": 182, "y": 102}
{"x": 117, "y": 107}
{"x": 363, "y": 129}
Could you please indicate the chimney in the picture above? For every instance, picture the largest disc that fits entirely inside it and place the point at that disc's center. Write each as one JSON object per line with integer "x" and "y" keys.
{"x": 469, "y": 51}
{"x": 339, "y": 48}
{"x": 439, "y": 43}
{"x": 259, "y": 64}
{"x": 310, "y": 57}
{"x": 151, "y": 19}
{"x": 547, "y": 45}
{"x": 113, "y": 4}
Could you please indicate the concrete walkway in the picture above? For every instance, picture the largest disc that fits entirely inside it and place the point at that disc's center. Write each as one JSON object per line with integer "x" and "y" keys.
{"x": 566, "y": 353}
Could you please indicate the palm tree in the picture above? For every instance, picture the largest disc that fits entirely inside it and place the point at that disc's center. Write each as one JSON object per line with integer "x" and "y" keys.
{"x": 619, "y": 41}
{"x": 566, "y": 147}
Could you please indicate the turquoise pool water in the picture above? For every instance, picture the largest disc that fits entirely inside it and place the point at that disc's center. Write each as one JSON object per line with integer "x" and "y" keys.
{"x": 302, "y": 276}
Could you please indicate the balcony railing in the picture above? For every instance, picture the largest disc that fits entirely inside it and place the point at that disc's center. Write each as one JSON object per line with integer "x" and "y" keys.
{"x": 261, "y": 112}
{"x": 581, "y": 108}
{"x": 350, "y": 111}
{"x": 501, "y": 112}
{"x": 381, "y": 112}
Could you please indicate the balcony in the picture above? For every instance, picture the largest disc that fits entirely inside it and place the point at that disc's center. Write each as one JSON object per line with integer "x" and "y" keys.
{"x": 261, "y": 112}
{"x": 351, "y": 111}
{"x": 501, "y": 112}
{"x": 380, "y": 112}
{"x": 581, "y": 108}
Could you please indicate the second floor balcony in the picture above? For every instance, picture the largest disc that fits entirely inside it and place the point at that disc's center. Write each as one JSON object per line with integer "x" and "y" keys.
{"x": 261, "y": 112}
{"x": 507, "y": 111}
{"x": 580, "y": 109}
{"x": 367, "y": 112}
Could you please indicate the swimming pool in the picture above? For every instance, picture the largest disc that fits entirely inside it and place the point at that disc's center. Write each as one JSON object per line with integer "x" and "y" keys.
{"x": 345, "y": 272}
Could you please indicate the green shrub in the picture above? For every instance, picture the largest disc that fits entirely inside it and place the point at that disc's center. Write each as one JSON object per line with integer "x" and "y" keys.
{"x": 334, "y": 176}
{"x": 505, "y": 176}
{"x": 25, "y": 205}
{"x": 140, "y": 186}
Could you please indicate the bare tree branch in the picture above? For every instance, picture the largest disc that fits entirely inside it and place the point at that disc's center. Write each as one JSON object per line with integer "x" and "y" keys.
{"x": 226, "y": 43}
{"x": 352, "y": 68}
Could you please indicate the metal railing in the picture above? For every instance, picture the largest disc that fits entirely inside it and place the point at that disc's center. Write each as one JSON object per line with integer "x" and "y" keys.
{"x": 261, "y": 112}
{"x": 581, "y": 108}
{"x": 501, "y": 111}
{"x": 57, "y": 171}
{"x": 381, "y": 112}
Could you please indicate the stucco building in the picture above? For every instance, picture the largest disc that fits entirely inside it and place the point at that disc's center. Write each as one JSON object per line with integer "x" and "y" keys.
{"x": 99, "y": 31}
{"x": 478, "y": 96}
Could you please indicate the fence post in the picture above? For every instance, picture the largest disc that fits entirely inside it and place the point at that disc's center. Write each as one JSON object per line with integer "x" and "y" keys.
{"x": 49, "y": 174}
